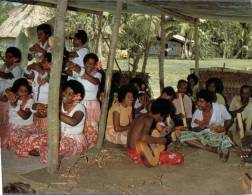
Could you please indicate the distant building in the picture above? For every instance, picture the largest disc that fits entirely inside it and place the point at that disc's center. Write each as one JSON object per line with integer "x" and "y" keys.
{"x": 174, "y": 48}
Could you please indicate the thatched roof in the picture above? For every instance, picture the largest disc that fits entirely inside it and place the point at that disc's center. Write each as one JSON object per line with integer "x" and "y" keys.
{"x": 22, "y": 17}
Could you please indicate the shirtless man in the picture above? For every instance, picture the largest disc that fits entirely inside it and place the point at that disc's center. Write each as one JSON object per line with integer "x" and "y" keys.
{"x": 142, "y": 127}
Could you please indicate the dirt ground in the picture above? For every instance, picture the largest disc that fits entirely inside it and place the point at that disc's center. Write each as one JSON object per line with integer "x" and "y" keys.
{"x": 112, "y": 172}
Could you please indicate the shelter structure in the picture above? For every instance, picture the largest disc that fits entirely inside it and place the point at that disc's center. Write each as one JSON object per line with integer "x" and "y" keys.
{"x": 188, "y": 11}
{"x": 20, "y": 25}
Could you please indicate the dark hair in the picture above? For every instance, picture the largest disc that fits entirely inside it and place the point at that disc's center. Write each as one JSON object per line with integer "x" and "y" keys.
{"x": 81, "y": 35}
{"x": 21, "y": 82}
{"x": 208, "y": 96}
{"x": 116, "y": 77}
{"x": 46, "y": 28}
{"x": 15, "y": 52}
{"x": 18, "y": 187}
{"x": 138, "y": 81}
{"x": 76, "y": 86}
{"x": 48, "y": 57}
{"x": 162, "y": 106}
{"x": 169, "y": 91}
{"x": 181, "y": 81}
{"x": 245, "y": 87}
{"x": 193, "y": 77}
{"x": 90, "y": 56}
{"x": 218, "y": 84}
{"x": 123, "y": 92}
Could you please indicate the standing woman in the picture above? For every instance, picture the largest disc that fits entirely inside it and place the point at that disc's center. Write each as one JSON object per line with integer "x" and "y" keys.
{"x": 44, "y": 44}
{"x": 91, "y": 79}
{"x": 120, "y": 116}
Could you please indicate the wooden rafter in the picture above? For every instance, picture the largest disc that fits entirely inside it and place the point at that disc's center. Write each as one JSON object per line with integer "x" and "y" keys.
{"x": 169, "y": 12}
{"x": 47, "y": 4}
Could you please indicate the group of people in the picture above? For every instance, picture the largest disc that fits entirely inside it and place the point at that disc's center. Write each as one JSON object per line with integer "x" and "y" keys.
{"x": 132, "y": 116}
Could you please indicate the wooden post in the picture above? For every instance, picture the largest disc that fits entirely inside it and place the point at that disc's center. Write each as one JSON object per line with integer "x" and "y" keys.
{"x": 54, "y": 86}
{"x": 162, "y": 53}
{"x": 109, "y": 72}
{"x": 99, "y": 33}
{"x": 196, "y": 42}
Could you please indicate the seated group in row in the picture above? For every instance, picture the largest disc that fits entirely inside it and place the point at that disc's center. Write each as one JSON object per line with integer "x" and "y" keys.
{"x": 132, "y": 115}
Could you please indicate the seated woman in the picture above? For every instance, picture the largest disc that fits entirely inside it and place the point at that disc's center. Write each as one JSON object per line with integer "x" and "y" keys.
{"x": 20, "y": 115}
{"x": 215, "y": 86}
{"x": 120, "y": 116}
{"x": 210, "y": 124}
{"x": 72, "y": 116}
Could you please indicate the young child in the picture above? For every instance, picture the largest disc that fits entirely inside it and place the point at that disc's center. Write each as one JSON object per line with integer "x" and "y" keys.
{"x": 91, "y": 79}
{"x": 77, "y": 55}
{"x": 141, "y": 103}
{"x": 120, "y": 116}
{"x": 40, "y": 73}
{"x": 182, "y": 89}
{"x": 9, "y": 72}
{"x": 44, "y": 44}
{"x": 20, "y": 114}
{"x": 72, "y": 116}
{"x": 141, "y": 131}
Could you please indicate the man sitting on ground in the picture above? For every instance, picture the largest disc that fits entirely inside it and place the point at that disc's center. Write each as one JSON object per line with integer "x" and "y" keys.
{"x": 141, "y": 131}
{"x": 243, "y": 104}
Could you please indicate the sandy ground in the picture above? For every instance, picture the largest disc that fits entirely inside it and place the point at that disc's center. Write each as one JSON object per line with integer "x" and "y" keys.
{"x": 111, "y": 171}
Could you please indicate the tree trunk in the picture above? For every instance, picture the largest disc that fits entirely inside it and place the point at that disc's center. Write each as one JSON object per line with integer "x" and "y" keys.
{"x": 162, "y": 53}
{"x": 109, "y": 72}
{"x": 98, "y": 43}
{"x": 135, "y": 63}
{"x": 196, "y": 48}
{"x": 147, "y": 47}
{"x": 145, "y": 60}
{"x": 54, "y": 86}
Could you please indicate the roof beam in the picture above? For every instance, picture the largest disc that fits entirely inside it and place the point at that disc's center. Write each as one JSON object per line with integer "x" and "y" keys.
{"x": 47, "y": 4}
{"x": 170, "y": 12}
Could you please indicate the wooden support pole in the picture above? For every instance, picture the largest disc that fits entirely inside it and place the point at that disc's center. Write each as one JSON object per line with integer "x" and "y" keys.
{"x": 109, "y": 72}
{"x": 99, "y": 33}
{"x": 162, "y": 53}
{"x": 196, "y": 42}
{"x": 54, "y": 86}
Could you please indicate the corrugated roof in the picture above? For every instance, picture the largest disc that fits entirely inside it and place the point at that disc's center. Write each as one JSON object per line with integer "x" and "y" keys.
{"x": 239, "y": 10}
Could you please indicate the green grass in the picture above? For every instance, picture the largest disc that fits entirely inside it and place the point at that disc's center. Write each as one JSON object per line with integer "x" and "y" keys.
{"x": 179, "y": 69}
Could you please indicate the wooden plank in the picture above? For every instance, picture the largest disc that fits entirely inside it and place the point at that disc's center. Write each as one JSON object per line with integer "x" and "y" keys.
{"x": 54, "y": 86}
{"x": 162, "y": 53}
{"x": 182, "y": 106}
{"x": 109, "y": 72}
{"x": 240, "y": 124}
